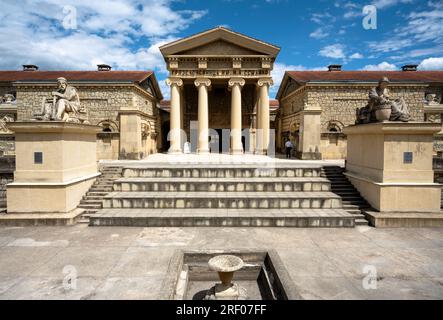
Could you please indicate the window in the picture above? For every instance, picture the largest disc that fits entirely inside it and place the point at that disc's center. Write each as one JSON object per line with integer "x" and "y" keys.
{"x": 38, "y": 157}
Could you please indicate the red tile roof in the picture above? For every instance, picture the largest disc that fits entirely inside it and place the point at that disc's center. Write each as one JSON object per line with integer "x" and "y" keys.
{"x": 96, "y": 76}
{"x": 274, "y": 103}
{"x": 394, "y": 76}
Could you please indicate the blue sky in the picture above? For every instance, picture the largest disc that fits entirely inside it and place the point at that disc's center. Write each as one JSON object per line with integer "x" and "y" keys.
{"x": 77, "y": 35}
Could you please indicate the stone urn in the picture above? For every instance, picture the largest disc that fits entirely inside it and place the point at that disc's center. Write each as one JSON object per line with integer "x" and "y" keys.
{"x": 226, "y": 266}
{"x": 383, "y": 114}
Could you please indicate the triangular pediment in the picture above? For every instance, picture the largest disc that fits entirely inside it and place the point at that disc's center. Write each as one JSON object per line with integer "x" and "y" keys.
{"x": 219, "y": 47}
{"x": 219, "y": 41}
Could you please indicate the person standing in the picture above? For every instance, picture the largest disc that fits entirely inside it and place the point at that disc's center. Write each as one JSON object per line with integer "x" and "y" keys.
{"x": 289, "y": 146}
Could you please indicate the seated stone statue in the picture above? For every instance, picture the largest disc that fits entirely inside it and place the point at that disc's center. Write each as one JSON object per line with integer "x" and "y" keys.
{"x": 7, "y": 99}
{"x": 63, "y": 106}
{"x": 379, "y": 98}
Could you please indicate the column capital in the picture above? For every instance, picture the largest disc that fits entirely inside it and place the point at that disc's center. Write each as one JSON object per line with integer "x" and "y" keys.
{"x": 265, "y": 81}
{"x": 236, "y": 81}
{"x": 172, "y": 81}
{"x": 202, "y": 82}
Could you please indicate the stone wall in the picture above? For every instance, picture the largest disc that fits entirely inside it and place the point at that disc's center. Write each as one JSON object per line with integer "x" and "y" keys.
{"x": 103, "y": 104}
{"x": 339, "y": 104}
{"x": 7, "y": 145}
{"x": 7, "y": 166}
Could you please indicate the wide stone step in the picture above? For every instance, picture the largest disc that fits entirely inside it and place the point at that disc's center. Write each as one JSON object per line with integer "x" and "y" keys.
{"x": 101, "y": 189}
{"x": 348, "y": 206}
{"x": 222, "y": 185}
{"x": 332, "y": 218}
{"x": 96, "y": 193}
{"x": 94, "y": 198}
{"x": 353, "y": 211}
{"x": 220, "y": 172}
{"x": 358, "y": 203}
{"x": 103, "y": 185}
{"x": 361, "y": 222}
{"x": 237, "y": 200}
{"x": 90, "y": 206}
{"x": 91, "y": 201}
{"x": 105, "y": 181}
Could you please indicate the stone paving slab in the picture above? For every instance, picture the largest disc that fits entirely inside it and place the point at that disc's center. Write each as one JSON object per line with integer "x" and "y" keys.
{"x": 131, "y": 263}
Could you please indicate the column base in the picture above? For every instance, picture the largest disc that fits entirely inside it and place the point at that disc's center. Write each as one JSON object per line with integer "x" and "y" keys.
{"x": 308, "y": 155}
{"x": 261, "y": 152}
{"x": 203, "y": 151}
{"x": 237, "y": 152}
{"x": 177, "y": 152}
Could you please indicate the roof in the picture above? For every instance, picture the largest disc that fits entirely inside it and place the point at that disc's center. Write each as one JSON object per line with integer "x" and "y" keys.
{"x": 136, "y": 77}
{"x": 303, "y": 77}
{"x": 217, "y": 33}
{"x": 395, "y": 76}
{"x": 114, "y": 76}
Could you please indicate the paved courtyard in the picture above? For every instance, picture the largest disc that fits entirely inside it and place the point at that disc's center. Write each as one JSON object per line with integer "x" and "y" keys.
{"x": 131, "y": 263}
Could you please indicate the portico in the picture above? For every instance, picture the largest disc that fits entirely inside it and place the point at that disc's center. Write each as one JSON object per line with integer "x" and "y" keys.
{"x": 220, "y": 79}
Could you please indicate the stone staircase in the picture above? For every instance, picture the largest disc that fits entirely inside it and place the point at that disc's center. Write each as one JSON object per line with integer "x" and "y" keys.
{"x": 352, "y": 201}
{"x": 237, "y": 195}
{"x": 93, "y": 200}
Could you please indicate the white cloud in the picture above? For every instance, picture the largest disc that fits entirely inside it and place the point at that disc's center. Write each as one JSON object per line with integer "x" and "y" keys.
{"x": 323, "y": 18}
{"x": 335, "y": 51}
{"x": 107, "y": 32}
{"x": 319, "y": 33}
{"x": 356, "y": 56}
{"x": 380, "y": 4}
{"x": 418, "y": 28}
{"x": 383, "y": 66}
{"x": 431, "y": 64}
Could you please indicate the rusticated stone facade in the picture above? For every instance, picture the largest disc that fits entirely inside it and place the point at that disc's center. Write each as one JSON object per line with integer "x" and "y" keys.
{"x": 338, "y": 101}
{"x": 104, "y": 96}
{"x": 101, "y": 102}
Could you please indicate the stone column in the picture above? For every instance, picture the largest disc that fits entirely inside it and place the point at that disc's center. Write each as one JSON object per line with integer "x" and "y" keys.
{"x": 263, "y": 134}
{"x": 175, "y": 121}
{"x": 257, "y": 125}
{"x": 203, "y": 118}
{"x": 236, "y": 84}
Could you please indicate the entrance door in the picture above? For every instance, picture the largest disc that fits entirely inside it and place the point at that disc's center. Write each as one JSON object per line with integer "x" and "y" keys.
{"x": 216, "y": 143}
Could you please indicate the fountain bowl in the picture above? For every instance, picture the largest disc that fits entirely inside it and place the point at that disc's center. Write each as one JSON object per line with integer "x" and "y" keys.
{"x": 225, "y": 263}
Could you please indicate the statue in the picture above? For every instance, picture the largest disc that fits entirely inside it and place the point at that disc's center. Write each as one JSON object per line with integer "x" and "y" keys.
{"x": 432, "y": 99}
{"x": 8, "y": 99}
{"x": 3, "y": 121}
{"x": 381, "y": 108}
{"x": 64, "y": 105}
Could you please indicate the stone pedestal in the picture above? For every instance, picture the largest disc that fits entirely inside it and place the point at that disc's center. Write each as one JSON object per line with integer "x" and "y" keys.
{"x": 130, "y": 135}
{"x": 56, "y": 163}
{"x": 390, "y": 163}
{"x": 310, "y": 131}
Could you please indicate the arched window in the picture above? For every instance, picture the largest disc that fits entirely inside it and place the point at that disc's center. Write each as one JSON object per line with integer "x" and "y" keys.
{"x": 108, "y": 126}
{"x": 335, "y": 126}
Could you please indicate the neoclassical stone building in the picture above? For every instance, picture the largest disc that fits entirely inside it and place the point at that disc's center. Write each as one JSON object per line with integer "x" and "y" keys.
{"x": 124, "y": 103}
{"x": 220, "y": 79}
{"x": 219, "y": 101}
{"x": 315, "y": 106}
